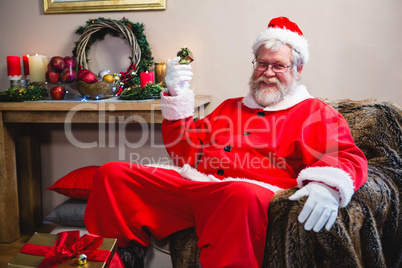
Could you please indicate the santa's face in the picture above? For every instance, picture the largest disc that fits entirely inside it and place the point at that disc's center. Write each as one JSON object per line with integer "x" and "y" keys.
{"x": 269, "y": 87}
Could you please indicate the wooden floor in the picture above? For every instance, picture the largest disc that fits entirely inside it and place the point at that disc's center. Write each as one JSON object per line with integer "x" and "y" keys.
{"x": 9, "y": 250}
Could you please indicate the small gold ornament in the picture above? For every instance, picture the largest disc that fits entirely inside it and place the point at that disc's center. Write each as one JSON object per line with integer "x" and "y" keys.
{"x": 116, "y": 78}
{"x": 82, "y": 259}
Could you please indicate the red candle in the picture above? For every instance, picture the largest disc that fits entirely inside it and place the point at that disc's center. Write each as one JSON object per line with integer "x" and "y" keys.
{"x": 146, "y": 78}
{"x": 14, "y": 67}
{"x": 25, "y": 60}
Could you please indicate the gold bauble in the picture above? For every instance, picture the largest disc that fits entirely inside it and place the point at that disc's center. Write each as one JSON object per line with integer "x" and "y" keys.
{"x": 116, "y": 77}
{"x": 108, "y": 78}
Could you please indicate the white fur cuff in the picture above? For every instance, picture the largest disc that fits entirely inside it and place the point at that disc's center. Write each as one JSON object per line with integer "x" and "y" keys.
{"x": 178, "y": 107}
{"x": 331, "y": 176}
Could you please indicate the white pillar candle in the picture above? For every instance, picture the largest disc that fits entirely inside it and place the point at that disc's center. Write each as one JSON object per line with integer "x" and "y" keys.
{"x": 37, "y": 68}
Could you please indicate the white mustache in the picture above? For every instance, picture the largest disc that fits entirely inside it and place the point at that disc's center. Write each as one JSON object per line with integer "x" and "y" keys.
{"x": 268, "y": 80}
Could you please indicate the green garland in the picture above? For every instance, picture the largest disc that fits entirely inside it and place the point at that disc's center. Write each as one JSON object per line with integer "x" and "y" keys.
{"x": 150, "y": 91}
{"x": 31, "y": 92}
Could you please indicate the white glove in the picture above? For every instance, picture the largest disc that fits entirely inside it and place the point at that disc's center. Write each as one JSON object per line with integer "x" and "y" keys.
{"x": 178, "y": 77}
{"x": 321, "y": 207}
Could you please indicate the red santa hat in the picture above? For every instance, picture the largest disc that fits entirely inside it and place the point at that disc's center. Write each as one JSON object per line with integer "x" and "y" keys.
{"x": 286, "y": 31}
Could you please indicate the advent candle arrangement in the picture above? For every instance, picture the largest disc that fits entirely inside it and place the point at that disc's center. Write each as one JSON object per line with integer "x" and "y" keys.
{"x": 37, "y": 68}
{"x": 145, "y": 78}
{"x": 14, "y": 68}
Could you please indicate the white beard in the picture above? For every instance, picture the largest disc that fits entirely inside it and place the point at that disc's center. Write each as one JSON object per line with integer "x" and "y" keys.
{"x": 269, "y": 96}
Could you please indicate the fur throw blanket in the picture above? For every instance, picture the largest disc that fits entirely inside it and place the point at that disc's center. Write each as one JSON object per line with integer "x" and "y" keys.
{"x": 367, "y": 233}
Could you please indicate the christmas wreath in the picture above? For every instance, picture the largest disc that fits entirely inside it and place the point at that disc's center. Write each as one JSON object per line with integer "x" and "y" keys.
{"x": 141, "y": 59}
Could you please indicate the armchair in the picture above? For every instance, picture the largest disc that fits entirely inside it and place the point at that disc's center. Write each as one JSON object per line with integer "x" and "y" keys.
{"x": 367, "y": 233}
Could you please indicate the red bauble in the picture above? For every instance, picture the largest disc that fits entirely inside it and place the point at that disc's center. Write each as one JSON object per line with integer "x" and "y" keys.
{"x": 81, "y": 73}
{"x": 89, "y": 77}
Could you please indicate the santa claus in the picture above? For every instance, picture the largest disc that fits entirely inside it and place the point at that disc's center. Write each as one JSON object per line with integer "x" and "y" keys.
{"x": 232, "y": 162}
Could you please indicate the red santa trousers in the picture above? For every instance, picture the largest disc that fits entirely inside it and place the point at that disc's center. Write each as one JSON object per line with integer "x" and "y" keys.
{"x": 129, "y": 201}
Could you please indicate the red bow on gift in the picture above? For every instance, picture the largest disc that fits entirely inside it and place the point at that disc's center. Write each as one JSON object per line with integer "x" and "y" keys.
{"x": 68, "y": 245}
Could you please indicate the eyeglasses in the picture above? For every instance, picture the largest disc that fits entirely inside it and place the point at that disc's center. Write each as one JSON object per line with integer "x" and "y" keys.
{"x": 276, "y": 67}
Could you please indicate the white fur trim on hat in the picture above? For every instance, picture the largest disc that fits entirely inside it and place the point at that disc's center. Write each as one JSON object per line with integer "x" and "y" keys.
{"x": 296, "y": 41}
{"x": 332, "y": 177}
{"x": 178, "y": 107}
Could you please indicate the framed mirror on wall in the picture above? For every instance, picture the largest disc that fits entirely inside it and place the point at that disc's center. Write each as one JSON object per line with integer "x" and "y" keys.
{"x": 76, "y": 6}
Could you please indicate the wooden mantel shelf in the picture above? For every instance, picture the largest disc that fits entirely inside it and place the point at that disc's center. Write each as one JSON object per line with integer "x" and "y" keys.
{"x": 20, "y": 198}
{"x": 118, "y": 105}
{"x": 86, "y": 111}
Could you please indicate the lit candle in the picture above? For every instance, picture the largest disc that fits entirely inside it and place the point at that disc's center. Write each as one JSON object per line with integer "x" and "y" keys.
{"x": 36, "y": 68}
{"x": 14, "y": 68}
{"x": 160, "y": 72}
{"x": 25, "y": 60}
{"x": 146, "y": 78}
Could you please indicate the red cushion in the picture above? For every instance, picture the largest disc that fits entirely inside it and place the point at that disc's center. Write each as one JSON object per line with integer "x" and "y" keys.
{"x": 76, "y": 184}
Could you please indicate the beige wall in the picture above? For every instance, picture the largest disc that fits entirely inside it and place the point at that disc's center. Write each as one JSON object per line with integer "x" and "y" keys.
{"x": 355, "y": 46}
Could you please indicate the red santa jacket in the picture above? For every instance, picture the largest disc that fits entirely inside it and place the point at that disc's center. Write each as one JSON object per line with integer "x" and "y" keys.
{"x": 299, "y": 140}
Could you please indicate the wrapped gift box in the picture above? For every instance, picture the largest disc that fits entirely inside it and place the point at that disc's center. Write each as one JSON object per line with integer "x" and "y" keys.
{"x": 41, "y": 239}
